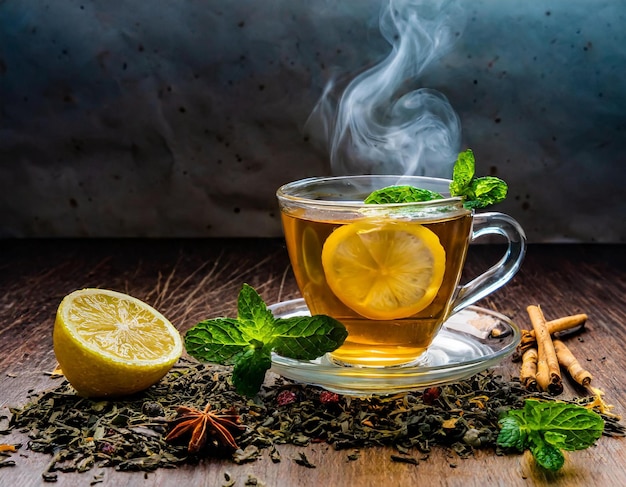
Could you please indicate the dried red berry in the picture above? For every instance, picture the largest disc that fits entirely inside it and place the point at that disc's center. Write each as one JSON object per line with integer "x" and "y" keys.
{"x": 327, "y": 397}
{"x": 285, "y": 397}
{"x": 107, "y": 448}
{"x": 431, "y": 394}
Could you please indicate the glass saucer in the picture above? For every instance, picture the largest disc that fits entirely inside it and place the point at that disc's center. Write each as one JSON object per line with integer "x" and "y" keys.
{"x": 471, "y": 341}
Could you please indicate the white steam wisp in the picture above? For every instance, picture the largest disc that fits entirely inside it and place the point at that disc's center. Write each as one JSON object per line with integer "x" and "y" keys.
{"x": 383, "y": 122}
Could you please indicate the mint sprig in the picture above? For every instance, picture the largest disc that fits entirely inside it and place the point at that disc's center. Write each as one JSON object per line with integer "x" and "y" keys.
{"x": 547, "y": 427}
{"x": 247, "y": 342}
{"x": 476, "y": 192}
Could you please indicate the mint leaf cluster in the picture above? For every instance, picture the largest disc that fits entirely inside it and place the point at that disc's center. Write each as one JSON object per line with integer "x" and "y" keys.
{"x": 548, "y": 427}
{"x": 247, "y": 342}
{"x": 476, "y": 192}
{"x": 401, "y": 194}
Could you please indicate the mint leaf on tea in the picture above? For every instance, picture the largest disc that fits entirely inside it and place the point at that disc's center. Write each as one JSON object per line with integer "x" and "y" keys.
{"x": 248, "y": 341}
{"x": 485, "y": 191}
{"x": 401, "y": 194}
{"x": 546, "y": 428}
{"x": 463, "y": 173}
{"x": 477, "y": 192}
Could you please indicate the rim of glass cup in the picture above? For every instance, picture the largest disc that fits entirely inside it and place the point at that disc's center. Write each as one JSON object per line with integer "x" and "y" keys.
{"x": 284, "y": 192}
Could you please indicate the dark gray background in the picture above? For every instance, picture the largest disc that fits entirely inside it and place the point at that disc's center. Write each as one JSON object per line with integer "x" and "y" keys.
{"x": 159, "y": 119}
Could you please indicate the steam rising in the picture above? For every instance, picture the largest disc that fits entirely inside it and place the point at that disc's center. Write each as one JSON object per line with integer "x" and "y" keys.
{"x": 383, "y": 122}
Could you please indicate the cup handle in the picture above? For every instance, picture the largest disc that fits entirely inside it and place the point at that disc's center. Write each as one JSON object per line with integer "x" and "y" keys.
{"x": 493, "y": 223}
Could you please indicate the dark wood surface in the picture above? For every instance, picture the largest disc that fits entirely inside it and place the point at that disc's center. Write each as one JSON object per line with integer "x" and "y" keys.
{"x": 189, "y": 280}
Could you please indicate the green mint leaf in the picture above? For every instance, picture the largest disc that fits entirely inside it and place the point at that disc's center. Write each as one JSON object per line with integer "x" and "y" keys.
{"x": 566, "y": 426}
{"x": 249, "y": 370}
{"x": 219, "y": 340}
{"x": 477, "y": 192}
{"x": 485, "y": 191}
{"x": 556, "y": 439}
{"x": 401, "y": 194}
{"x": 463, "y": 173}
{"x": 511, "y": 435}
{"x": 547, "y": 427}
{"x": 306, "y": 338}
{"x": 257, "y": 321}
{"x": 248, "y": 341}
{"x": 546, "y": 455}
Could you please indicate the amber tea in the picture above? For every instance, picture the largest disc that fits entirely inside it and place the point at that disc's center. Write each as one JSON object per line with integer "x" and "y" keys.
{"x": 390, "y": 272}
{"x": 375, "y": 341}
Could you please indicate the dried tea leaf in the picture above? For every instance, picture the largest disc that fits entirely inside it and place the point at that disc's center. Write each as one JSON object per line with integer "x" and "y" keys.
{"x": 304, "y": 461}
{"x": 404, "y": 459}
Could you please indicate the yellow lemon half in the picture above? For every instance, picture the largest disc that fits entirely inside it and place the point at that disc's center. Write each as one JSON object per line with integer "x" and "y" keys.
{"x": 384, "y": 271}
{"x": 111, "y": 344}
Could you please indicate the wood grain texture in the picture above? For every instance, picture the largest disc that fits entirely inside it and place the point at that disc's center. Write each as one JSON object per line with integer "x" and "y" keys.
{"x": 189, "y": 280}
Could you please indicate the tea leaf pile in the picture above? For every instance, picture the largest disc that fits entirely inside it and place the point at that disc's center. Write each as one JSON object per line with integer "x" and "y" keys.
{"x": 128, "y": 434}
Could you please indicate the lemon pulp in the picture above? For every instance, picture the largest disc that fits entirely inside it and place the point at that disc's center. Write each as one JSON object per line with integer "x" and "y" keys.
{"x": 111, "y": 344}
{"x": 384, "y": 270}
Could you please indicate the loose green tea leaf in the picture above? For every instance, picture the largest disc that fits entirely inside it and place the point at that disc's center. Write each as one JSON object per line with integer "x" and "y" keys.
{"x": 94, "y": 433}
{"x": 548, "y": 427}
{"x": 248, "y": 341}
{"x": 304, "y": 461}
{"x": 401, "y": 194}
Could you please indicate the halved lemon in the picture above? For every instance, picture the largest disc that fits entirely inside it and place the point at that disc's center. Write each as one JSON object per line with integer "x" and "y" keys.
{"x": 384, "y": 270}
{"x": 111, "y": 344}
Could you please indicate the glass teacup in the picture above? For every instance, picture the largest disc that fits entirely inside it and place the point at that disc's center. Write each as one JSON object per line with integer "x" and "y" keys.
{"x": 390, "y": 272}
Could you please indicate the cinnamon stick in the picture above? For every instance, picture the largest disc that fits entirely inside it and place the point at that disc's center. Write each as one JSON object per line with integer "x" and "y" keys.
{"x": 566, "y": 323}
{"x": 528, "y": 371}
{"x": 567, "y": 359}
{"x": 548, "y": 370}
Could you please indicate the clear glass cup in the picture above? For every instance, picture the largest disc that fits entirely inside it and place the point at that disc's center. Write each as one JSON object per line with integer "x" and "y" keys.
{"x": 389, "y": 272}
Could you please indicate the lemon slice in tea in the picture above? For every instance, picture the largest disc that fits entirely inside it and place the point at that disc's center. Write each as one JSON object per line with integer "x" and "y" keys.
{"x": 384, "y": 270}
{"x": 111, "y": 344}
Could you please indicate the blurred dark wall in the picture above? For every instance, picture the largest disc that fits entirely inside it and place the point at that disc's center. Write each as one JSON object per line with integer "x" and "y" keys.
{"x": 122, "y": 118}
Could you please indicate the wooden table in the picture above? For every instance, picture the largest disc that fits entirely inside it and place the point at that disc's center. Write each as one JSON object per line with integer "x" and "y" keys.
{"x": 189, "y": 280}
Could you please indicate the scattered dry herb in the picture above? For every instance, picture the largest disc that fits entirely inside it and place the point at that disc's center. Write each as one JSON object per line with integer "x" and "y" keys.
{"x": 404, "y": 459}
{"x": 304, "y": 461}
{"x": 129, "y": 434}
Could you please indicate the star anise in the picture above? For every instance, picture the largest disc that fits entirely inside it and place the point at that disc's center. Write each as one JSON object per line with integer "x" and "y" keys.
{"x": 202, "y": 426}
